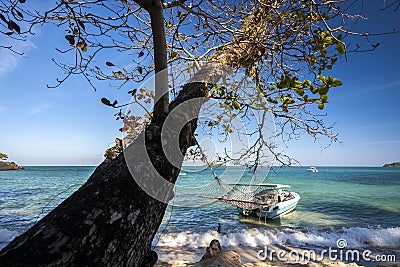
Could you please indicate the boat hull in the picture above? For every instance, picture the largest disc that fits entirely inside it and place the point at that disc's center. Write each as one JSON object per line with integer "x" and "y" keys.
{"x": 275, "y": 211}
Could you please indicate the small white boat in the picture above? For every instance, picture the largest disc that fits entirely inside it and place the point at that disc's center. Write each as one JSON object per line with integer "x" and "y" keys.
{"x": 182, "y": 174}
{"x": 312, "y": 169}
{"x": 269, "y": 201}
{"x": 272, "y": 203}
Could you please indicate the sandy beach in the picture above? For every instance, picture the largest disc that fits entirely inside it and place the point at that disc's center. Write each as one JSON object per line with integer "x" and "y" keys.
{"x": 181, "y": 256}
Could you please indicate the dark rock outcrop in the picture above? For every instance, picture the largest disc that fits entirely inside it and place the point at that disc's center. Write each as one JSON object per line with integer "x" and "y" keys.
{"x": 9, "y": 166}
{"x": 393, "y": 165}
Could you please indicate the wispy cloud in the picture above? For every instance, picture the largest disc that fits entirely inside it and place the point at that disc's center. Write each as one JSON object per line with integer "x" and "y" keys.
{"x": 372, "y": 89}
{"x": 376, "y": 126}
{"x": 10, "y": 60}
{"x": 387, "y": 142}
{"x": 39, "y": 109}
{"x": 383, "y": 86}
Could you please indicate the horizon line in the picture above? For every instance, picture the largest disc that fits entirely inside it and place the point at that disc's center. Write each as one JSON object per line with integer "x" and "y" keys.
{"x": 299, "y": 166}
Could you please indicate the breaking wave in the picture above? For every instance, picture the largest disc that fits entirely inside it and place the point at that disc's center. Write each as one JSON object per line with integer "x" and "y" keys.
{"x": 356, "y": 237}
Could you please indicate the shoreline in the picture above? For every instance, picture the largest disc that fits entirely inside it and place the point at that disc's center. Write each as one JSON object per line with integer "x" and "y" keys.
{"x": 289, "y": 256}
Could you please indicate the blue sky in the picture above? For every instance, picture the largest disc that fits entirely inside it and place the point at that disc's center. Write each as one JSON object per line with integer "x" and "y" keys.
{"x": 366, "y": 108}
{"x": 69, "y": 126}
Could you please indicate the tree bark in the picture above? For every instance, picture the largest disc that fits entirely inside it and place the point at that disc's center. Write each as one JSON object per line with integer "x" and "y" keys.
{"x": 110, "y": 220}
{"x": 160, "y": 61}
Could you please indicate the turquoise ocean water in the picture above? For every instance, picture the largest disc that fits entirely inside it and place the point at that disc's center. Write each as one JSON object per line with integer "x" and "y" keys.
{"x": 359, "y": 204}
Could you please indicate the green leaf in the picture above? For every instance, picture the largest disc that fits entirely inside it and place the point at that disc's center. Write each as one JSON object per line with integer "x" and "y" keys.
{"x": 213, "y": 123}
{"x": 105, "y": 101}
{"x": 82, "y": 45}
{"x": 70, "y": 39}
{"x": 227, "y": 128}
{"x": 117, "y": 73}
{"x": 3, "y": 156}
{"x": 172, "y": 55}
{"x": 19, "y": 14}
{"x": 314, "y": 89}
{"x": 300, "y": 92}
{"x": 374, "y": 46}
{"x": 181, "y": 15}
{"x": 321, "y": 106}
{"x": 3, "y": 18}
{"x": 85, "y": 47}
{"x": 336, "y": 82}
{"x": 306, "y": 83}
{"x": 236, "y": 105}
{"x": 340, "y": 48}
{"x": 322, "y": 79}
{"x": 324, "y": 98}
{"x": 324, "y": 90}
{"x": 14, "y": 26}
{"x": 329, "y": 80}
{"x": 133, "y": 92}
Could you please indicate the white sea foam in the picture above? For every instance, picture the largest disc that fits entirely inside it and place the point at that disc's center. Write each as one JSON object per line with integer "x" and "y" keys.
{"x": 6, "y": 236}
{"x": 356, "y": 237}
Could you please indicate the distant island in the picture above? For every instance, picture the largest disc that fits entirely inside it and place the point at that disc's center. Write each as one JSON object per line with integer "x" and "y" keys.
{"x": 393, "y": 165}
{"x": 9, "y": 166}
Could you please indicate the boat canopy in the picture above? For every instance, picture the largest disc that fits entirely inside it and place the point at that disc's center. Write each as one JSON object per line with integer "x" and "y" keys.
{"x": 244, "y": 195}
{"x": 265, "y": 186}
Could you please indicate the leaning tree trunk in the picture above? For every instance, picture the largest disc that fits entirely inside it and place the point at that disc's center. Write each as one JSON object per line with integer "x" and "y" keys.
{"x": 110, "y": 220}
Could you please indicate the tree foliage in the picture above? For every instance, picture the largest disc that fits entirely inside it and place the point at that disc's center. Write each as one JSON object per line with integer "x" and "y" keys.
{"x": 16, "y": 24}
{"x": 3, "y": 156}
{"x": 288, "y": 48}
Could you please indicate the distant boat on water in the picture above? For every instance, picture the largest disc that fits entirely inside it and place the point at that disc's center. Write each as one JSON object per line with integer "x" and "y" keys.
{"x": 312, "y": 169}
{"x": 182, "y": 174}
